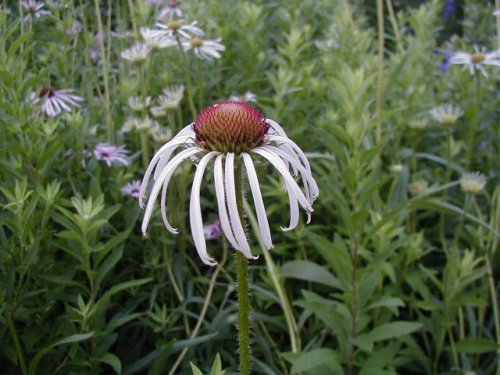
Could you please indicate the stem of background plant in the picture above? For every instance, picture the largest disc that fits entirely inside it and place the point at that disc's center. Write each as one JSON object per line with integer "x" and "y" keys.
{"x": 104, "y": 66}
{"x": 462, "y": 220}
{"x": 243, "y": 288}
{"x": 395, "y": 27}
{"x": 144, "y": 132}
{"x": 497, "y": 6}
{"x": 494, "y": 302}
{"x": 354, "y": 304}
{"x": 276, "y": 279}
{"x": 17, "y": 344}
{"x": 448, "y": 156}
{"x": 187, "y": 71}
{"x": 380, "y": 84}
{"x": 201, "y": 82}
{"x": 204, "y": 308}
{"x": 474, "y": 123}
{"x": 132, "y": 17}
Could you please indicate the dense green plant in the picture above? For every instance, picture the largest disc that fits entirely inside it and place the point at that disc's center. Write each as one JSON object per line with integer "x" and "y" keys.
{"x": 398, "y": 271}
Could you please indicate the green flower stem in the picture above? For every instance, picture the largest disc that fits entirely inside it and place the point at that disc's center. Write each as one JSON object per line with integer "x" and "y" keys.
{"x": 395, "y": 27}
{"x": 132, "y": 17}
{"x": 243, "y": 287}
{"x": 104, "y": 65}
{"x": 276, "y": 279}
{"x": 17, "y": 344}
{"x": 474, "y": 123}
{"x": 494, "y": 302}
{"x": 243, "y": 313}
{"x": 189, "y": 83}
{"x": 204, "y": 308}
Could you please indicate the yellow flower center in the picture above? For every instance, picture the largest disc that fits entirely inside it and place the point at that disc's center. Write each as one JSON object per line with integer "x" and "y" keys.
{"x": 174, "y": 25}
{"x": 477, "y": 58}
{"x": 196, "y": 42}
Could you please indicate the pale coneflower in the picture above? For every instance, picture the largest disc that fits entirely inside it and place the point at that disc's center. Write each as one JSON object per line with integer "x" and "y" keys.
{"x": 178, "y": 28}
{"x": 447, "y": 114}
{"x": 477, "y": 60}
{"x": 137, "y": 53}
{"x": 56, "y": 101}
{"x": 230, "y": 134}
{"x": 213, "y": 231}
{"x": 132, "y": 188}
{"x": 245, "y": 98}
{"x": 171, "y": 97}
{"x": 34, "y": 9}
{"x": 111, "y": 154}
{"x": 206, "y": 49}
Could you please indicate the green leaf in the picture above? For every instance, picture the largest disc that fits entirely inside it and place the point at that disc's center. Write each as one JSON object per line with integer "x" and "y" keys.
{"x": 67, "y": 340}
{"x": 309, "y": 271}
{"x": 107, "y": 266}
{"x": 196, "y": 370}
{"x": 393, "y": 329}
{"x": 217, "y": 366}
{"x": 112, "y": 360}
{"x": 476, "y": 346}
{"x": 308, "y": 361}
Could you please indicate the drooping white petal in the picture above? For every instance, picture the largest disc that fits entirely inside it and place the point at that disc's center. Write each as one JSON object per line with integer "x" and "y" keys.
{"x": 221, "y": 201}
{"x": 294, "y": 210}
{"x": 257, "y": 199}
{"x": 283, "y": 170}
{"x": 309, "y": 182}
{"x": 195, "y": 217}
{"x": 293, "y": 145}
{"x": 164, "y": 152}
{"x": 232, "y": 206}
{"x": 278, "y": 130}
{"x": 165, "y": 175}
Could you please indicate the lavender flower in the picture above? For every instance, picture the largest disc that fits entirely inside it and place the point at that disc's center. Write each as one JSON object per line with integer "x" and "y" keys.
{"x": 111, "y": 154}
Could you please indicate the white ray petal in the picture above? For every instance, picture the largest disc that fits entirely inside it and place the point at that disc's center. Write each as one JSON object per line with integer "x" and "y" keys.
{"x": 232, "y": 206}
{"x": 165, "y": 175}
{"x": 165, "y": 151}
{"x": 293, "y": 145}
{"x": 221, "y": 201}
{"x": 195, "y": 218}
{"x": 309, "y": 181}
{"x": 294, "y": 210}
{"x": 258, "y": 202}
{"x": 283, "y": 170}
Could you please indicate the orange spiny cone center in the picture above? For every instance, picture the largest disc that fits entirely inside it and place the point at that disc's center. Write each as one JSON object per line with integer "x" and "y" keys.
{"x": 230, "y": 127}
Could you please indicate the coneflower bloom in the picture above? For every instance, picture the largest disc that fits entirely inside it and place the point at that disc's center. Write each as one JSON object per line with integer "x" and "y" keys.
{"x": 477, "y": 60}
{"x": 213, "y": 231}
{"x": 138, "y": 52}
{"x": 206, "y": 49}
{"x": 132, "y": 188}
{"x": 175, "y": 28}
{"x": 35, "y": 9}
{"x": 56, "y": 101}
{"x": 111, "y": 154}
{"x": 230, "y": 134}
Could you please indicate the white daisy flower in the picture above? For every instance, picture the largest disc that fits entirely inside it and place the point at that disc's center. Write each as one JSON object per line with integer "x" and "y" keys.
{"x": 34, "y": 9}
{"x": 206, "y": 49}
{"x": 245, "y": 98}
{"x": 161, "y": 134}
{"x": 447, "y": 114}
{"x": 178, "y": 28}
{"x": 230, "y": 134}
{"x": 477, "y": 60}
{"x": 171, "y": 97}
{"x": 473, "y": 182}
{"x": 55, "y": 102}
{"x": 137, "y": 104}
{"x": 139, "y": 124}
{"x": 138, "y": 52}
{"x": 156, "y": 38}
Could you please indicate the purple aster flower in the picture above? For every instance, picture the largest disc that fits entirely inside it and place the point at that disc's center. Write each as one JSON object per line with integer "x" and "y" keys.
{"x": 132, "y": 189}
{"x": 111, "y": 154}
{"x": 213, "y": 231}
{"x": 56, "y": 101}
